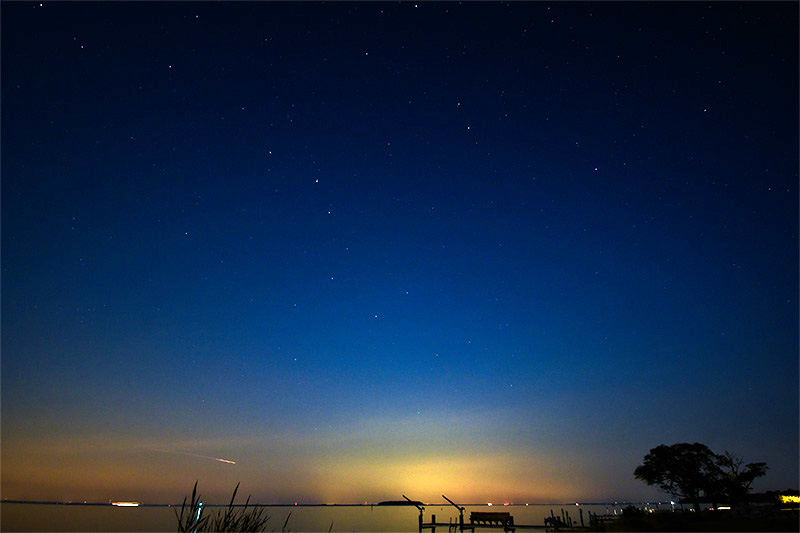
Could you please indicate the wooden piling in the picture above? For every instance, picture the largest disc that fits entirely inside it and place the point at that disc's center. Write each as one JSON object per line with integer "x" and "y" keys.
{"x": 580, "y": 511}
{"x": 460, "y": 512}
{"x": 433, "y": 521}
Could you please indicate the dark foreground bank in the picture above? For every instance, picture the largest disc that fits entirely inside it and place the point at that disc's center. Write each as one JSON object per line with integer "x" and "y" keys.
{"x": 747, "y": 520}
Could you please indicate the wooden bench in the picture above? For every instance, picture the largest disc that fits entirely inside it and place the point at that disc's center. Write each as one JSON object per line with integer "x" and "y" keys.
{"x": 498, "y": 520}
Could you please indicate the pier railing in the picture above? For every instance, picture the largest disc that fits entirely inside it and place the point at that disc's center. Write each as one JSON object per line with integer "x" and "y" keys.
{"x": 497, "y": 520}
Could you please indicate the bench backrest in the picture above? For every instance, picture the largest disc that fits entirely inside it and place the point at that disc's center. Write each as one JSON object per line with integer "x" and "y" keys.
{"x": 502, "y": 519}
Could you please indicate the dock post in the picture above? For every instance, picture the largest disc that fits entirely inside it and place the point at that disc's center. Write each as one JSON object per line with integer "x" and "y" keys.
{"x": 563, "y": 518}
{"x": 460, "y": 513}
{"x": 421, "y": 510}
{"x": 581, "y": 513}
{"x": 433, "y": 522}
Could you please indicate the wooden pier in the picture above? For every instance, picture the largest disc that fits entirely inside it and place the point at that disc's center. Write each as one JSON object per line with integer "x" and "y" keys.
{"x": 453, "y": 527}
{"x": 494, "y": 520}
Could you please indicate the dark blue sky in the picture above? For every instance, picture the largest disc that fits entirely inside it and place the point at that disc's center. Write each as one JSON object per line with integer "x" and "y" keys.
{"x": 363, "y": 248}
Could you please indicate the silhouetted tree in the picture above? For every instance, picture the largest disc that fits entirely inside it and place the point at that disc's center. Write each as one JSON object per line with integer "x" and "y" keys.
{"x": 684, "y": 470}
{"x": 689, "y": 470}
{"x": 736, "y": 478}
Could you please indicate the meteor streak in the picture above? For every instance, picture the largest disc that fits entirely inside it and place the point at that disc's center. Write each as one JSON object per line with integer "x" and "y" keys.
{"x": 198, "y": 455}
{"x": 209, "y": 457}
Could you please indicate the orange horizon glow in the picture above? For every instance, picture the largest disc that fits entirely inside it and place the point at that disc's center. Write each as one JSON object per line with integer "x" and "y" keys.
{"x": 372, "y": 460}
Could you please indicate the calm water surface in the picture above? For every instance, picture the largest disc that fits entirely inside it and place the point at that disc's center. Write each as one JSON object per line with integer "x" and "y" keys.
{"x": 40, "y": 517}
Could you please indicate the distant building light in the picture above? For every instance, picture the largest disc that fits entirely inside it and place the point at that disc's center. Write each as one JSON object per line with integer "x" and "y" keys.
{"x": 789, "y": 499}
{"x": 126, "y": 504}
{"x": 724, "y": 508}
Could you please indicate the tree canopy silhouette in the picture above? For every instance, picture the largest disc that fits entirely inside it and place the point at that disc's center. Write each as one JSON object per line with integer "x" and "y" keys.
{"x": 682, "y": 469}
{"x": 689, "y": 470}
{"x": 737, "y": 477}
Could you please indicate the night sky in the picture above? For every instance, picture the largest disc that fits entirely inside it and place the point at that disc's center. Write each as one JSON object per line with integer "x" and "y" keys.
{"x": 497, "y": 251}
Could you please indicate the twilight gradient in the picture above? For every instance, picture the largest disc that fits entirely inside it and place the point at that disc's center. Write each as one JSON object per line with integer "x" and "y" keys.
{"x": 498, "y": 251}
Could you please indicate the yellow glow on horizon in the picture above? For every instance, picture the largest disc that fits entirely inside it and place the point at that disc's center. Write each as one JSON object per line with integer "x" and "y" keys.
{"x": 790, "y": 499}
{"x": 426, "y": 478}
{"x": 380, "y": 460}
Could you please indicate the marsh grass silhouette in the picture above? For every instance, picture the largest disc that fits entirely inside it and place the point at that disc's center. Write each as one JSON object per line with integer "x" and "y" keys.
{"x": 232, "y": 518}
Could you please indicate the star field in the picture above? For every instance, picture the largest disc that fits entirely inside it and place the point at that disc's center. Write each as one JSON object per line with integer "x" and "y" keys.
{"x": 342, "y": 244}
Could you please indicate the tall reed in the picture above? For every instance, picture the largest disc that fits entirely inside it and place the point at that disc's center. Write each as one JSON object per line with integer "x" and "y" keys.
{"x": 189, "y": 519}
{"x": 233, "y": 518}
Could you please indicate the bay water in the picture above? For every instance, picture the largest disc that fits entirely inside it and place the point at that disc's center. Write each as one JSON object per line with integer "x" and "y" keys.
{"x": 362, "y": 518}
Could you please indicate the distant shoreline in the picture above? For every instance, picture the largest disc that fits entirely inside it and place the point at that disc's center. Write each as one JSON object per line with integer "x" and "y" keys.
{"x": 437, "y": 504}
